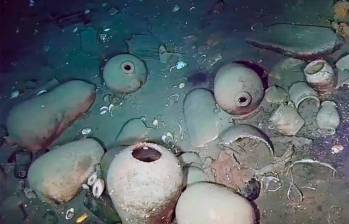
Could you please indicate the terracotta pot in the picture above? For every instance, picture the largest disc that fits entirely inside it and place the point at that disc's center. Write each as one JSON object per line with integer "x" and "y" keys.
{"x": 238, "y": 90}
{"x": 328, "y": 118}
{"x": 144, "y": 182}
{"x": 320, "y": 76}
{"x": 300, "y": 92}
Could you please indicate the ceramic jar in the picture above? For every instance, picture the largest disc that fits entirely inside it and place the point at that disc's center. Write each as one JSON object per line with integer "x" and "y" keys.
{"x": 144, "y": 182}
{"x": 238, "y": 90}
{"x": 286, "y": 119}
{"x": 124, "y": 73}
{"x": 328, "y": 118}
{"x": 320, "y": 76}
{"x": 300, "y": 92}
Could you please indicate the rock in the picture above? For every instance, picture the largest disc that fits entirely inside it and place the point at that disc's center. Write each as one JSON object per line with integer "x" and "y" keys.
{"x": 57, "y": 176}
{"x": 299, "y": 41}
{"x": 201, "y": 117}
{"x": 37, "y": 122}
{"x": 208, "y": 203}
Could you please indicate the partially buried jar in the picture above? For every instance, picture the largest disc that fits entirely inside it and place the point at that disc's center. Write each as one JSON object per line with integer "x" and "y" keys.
{"x": 124, "y": 73}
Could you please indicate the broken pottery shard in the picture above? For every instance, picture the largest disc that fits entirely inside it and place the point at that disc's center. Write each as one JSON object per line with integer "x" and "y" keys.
{"x": 237, "y": 132}
{"x": 299, "y": 41}
{"x": 37, "y": 122}
{"x": 58, "y": 175}
{"x": 133, "y": 131}
{"x": 201, "y": 117}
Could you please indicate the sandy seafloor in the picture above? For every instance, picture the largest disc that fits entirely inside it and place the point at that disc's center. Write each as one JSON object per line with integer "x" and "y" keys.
{"x": 34, "y": 48}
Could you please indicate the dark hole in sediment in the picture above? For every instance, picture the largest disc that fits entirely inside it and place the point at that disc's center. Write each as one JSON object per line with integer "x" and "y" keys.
{"x": 146, "y": 154}
{"x": 261, "y": 72}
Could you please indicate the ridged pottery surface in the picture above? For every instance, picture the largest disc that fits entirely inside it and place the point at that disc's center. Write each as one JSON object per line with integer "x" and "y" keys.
{"x": 144, "y": 182}
{"x": 209, "y": 203}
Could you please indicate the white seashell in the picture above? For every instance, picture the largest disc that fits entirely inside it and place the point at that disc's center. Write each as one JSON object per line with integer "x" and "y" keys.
{"x": 103, "y": 110}
{"x": 92, "y": 179}
{"x": 176, "y": 8}
{"x": 155, "y": 123}
{"x": 337, "y": 149}
{"x": 86, "y": 131}
{"x": 41, "y": 92}
{"x": 98, "y": 188}
{"x": 14, "y": 94}
{"x": 110, "y": 107}
{"x": 181, "y": 85}
{"x": 69, "y": 213}
{"x": 167, "y": 138}
{"x": 85, "y": 187}
{"x": 180, "y": 65}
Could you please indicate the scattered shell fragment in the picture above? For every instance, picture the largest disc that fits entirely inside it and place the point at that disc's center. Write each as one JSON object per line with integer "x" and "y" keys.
{"x": 85, "y": 187}
{"x": 86, "y": 131}
{"x": 103, "y": 110}
{"x": 82, "y": 218}
{"x": 14, "y": 94}
{"x": 180, "y": 65}
{"x": 337, "y": 149}
{"x": 168, "y": 138}
{"x": 41, "y": 92}
{"x": 92, "y": 179}
{"x": 98, "y": 188}
{"x": 70, "y": 213}
{"x": 181, "y": 85}
{"x": 155, "y": 123}
{"x": 176, "y": 8}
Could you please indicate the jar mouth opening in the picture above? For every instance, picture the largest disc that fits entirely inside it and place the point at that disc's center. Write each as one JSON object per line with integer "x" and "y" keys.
{"x": 314, "y": 67}
{"x": 146, "y": 154}
{"x": 244, "y": 99}
{"x": 128, "y": 67}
